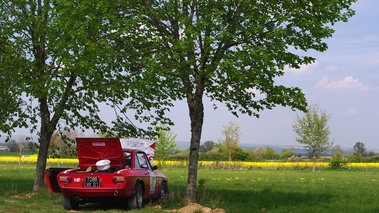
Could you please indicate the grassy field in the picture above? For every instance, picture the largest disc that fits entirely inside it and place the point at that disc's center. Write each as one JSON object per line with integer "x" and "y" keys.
{"x": 235, "y": 191}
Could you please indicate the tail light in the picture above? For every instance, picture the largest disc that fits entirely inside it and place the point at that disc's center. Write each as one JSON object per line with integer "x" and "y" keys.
{"x": 64, "y": 178}
{"x": 118, "y": 178}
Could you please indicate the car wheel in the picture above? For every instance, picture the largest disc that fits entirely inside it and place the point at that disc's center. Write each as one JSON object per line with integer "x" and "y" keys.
{"x": 164, "y": 191}
{"x": 136, "y": 200}
{"x": 69, "y": 203}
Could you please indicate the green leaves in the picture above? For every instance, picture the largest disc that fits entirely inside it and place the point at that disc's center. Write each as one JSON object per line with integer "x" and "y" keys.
{"x": 313, "y": 130}
{"x": 235, "y": 47}
{"x": 74, "y": 55}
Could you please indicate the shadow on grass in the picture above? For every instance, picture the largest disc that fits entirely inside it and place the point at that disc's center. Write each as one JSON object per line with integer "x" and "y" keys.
{"x": 272, "y": 200}
{"x": 14, "y": 186}
{"x": 268, "y": 199}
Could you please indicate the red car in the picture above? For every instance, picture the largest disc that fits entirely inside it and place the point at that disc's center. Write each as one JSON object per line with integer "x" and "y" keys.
{"x": 106, "y": 170}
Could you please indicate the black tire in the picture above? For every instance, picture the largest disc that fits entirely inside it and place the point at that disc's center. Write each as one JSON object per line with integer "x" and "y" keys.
{"x": 69, "y": 203}
{"x": 164, "y": 191}
{"x": 136, "y": 200}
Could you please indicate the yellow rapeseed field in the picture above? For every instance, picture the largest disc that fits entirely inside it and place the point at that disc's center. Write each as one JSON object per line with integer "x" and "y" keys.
{"x": 33, "y": 159}
{"x": 206, "y": 164}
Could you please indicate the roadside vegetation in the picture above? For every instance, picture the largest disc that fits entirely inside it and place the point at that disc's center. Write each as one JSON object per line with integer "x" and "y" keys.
{"x": 212, "y": 151}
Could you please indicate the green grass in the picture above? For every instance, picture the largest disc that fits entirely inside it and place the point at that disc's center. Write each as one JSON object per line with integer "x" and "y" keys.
{"x": 235, "y": 191}
{"x": 8, "y": 153}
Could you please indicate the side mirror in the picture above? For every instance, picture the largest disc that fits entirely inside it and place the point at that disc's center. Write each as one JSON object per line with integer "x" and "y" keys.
{"x": 155, "y": 167}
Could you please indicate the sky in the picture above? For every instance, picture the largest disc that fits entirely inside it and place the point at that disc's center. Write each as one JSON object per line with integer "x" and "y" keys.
{"x": 344, "y": 82}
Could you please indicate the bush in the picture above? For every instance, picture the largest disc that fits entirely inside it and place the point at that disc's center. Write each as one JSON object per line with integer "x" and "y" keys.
{"x": 338, "y": 163}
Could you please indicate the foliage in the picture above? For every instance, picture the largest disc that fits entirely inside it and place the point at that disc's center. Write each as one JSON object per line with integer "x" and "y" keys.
{"x": 286, "y": 154}
{"x": 12, "y": 145}
{"x": 337, "y": 151}
{"x": 229, "y": 143}
{"x": 207, "y": 146}
{"x": 240, "y": 155}
{"x": 165, "y": 146}
{"x": 60, "y": 61}
{"x": 338, "y": 163}
{"x": 360, "y": 149}
{"x": 214, "y": 155}
{"x": 63, "y": 144}
{"x": 267, "y": 153}
{"x": 313, "y": 131}
{"x": 22, "y": 146}
{"x": 251, "y": 155}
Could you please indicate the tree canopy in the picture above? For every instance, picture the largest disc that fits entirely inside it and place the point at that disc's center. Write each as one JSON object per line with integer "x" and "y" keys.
{"x": 230, "y": 140}
{"x": 313, "y": 131}
{"x": 165, "y": 146}
{"x": 359, "y": 148}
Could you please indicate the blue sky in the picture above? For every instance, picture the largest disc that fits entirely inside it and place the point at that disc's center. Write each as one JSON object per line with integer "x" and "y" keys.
{"x": 343, "y": 81}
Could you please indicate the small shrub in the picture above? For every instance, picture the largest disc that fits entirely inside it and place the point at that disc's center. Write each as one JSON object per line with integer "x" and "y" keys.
{"x": 338, "y": 163}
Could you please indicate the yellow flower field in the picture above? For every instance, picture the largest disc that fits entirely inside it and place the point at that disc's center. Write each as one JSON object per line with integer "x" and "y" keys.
{"x": 269, "y": 165}
{"x": 206, "y": 164}
{"x": 33, "y": 159}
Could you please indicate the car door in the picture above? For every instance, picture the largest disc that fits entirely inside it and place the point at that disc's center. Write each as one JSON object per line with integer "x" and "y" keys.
{"x": 148, "y": 176}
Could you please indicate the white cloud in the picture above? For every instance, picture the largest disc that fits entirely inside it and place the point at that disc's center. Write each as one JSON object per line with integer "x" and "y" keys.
{"x": 347, "y": 83}
{"x": 304, "y": 69}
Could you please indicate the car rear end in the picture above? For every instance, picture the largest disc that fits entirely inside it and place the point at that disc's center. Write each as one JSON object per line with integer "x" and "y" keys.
{"x": 84, "y": 184}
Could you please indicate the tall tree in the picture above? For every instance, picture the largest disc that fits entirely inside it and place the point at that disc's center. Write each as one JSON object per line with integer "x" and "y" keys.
{"x": 62, "y": 144}
{"x": 231, "y": 52}
{"x": 165, "y": 146}
{"x": 359, "y": 150}
{"x": 60, "y": 60}
{"x": 313, "y": 131}
{"x": 337, "y": 151}
{"x": 229, "y": 143}
{"x": 207, "y": 146}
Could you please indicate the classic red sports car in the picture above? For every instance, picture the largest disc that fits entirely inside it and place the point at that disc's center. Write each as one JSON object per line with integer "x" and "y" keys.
{"x": 106, "y": 170}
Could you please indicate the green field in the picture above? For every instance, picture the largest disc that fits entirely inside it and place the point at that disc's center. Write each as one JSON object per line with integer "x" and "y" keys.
{"x": 235, "y": 191}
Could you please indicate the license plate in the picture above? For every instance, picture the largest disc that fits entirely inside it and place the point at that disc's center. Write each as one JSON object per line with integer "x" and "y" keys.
{"x": 92, "y": 182}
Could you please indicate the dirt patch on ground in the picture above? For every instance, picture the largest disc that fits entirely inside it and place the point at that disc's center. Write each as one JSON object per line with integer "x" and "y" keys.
{"x": 194, "y": 207}
{"x": 29, "y": 195}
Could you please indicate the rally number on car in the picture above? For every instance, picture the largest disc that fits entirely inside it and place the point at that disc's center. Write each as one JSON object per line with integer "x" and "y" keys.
{"x": 153, "y": 182}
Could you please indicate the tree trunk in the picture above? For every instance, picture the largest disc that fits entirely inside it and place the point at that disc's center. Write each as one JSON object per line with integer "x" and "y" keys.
{"x": 47, "y": 130}
{"x": 230, "y": 160}
{"x": 196, "y": 110}
{"x": 314, "y": 164}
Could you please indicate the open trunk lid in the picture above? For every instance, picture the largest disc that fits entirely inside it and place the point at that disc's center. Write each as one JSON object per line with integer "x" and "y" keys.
{"x": 92, "y": 150}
